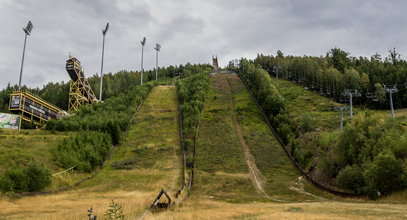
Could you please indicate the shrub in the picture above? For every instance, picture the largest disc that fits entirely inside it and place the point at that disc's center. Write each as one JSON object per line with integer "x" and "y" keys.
{"x": 385, "y": 174}
{"x": 86, "y": 150}
{"x": 351, "y": 178}
{"x": 32, "y": 178}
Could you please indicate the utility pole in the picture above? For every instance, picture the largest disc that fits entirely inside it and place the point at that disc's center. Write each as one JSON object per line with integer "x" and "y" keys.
{"x": 341, "y": 110}
{"x": 101, "y": 68}
{"x": 391, "y": 90}
{"x": 157, "y": 48}
{"x": 27, "y": 30}
{"x": 143, "y": 42}
{"x": 275, "y": 68}
{"x": 351, "y": 93}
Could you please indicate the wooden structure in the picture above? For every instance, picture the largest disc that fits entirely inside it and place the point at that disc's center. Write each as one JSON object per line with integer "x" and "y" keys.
{"x": 80, "y": 92}
{"x": 158, "y": 206}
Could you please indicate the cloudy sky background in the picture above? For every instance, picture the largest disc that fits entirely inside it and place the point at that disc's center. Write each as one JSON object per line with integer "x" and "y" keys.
{"x": 189, "y": 31}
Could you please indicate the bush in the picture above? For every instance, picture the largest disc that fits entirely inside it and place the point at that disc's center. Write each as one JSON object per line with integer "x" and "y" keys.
{"x": 385, "y": 174}
{"x": 32, "y": 178}
{"x": 86, "y": 150}
{"x": 351, "y": 178}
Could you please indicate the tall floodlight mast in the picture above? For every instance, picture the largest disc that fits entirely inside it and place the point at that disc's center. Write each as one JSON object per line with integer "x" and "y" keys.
{"x": 391, "y": 90}
{"x": 143, "y": 42}
{"x": 27, "y": 30}
{"x": 103, "y": 53}
{"x": 157, "y": 48}
{"x": 351, "y": 93}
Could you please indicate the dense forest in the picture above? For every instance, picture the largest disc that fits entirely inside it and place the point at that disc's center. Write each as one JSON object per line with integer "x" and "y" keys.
{"x": 338, "y": 70}
{"x": 113, "y": 84}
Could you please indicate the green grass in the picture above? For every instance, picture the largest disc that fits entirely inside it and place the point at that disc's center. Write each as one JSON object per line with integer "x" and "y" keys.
{"x": 18, "y": 148}
{"x": 218, "y": 147}
{"x": 270, "y": 158}
{"x": 149, "y": 157}
{"x": 222, "y": 171}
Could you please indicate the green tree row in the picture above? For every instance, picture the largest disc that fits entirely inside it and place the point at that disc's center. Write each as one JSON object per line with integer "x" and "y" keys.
{"x": 191, "y": 90}
{"x": 331, "y": 74}
{"x": 268, "y": 97}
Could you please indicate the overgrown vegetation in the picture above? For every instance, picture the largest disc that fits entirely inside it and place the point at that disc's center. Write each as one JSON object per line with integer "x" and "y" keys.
{"x": 370, "y": 156}
{"x": 269, "y": 98}
{"x": 31, "y": 178}
{"x": 85, "y": 151}
{"x": 111, "y": 116}
{"x": 367, "y": 158}
{"x": 192, "y": 91}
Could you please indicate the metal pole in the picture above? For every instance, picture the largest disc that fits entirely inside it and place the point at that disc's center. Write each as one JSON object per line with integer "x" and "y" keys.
{"x": 351, "y": 107}
{"x": 277, "y": 71}
{"x": 142, "y": 71}
{"x": 391, "y": 105}
{"x": 101, "y": 69}
{"x": 341, "y": 119}
{"x": 22, "y": 63}
{"x": 156, "y": 66}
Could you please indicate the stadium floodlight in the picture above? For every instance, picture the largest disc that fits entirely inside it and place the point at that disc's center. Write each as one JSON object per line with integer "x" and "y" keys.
{"x": 143, "y": 42}
{"x": 341, "y": 110}
{"x": 391, "y": 90}
{"x": 351, "y": 93}
{"x": 157, "y": 48}
{"x": 27, "y": 30}
{"x": 103, "y": 53}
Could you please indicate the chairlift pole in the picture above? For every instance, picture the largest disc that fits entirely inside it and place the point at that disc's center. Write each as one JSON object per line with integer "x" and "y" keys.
{"x": 391, "y": 90}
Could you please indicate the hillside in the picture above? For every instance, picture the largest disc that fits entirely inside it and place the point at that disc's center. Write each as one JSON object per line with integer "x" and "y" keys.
{"x": 148, "y": 159}
{"x": 241, "y": 170}
{"x": 238, "y": 158}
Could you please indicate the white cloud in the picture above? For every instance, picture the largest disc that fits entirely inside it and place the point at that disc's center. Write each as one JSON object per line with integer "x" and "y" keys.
{"x": 188, "y": 30}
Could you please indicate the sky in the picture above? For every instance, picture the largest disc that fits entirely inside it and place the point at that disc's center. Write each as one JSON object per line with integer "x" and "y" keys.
{"x": 189, "y": 31}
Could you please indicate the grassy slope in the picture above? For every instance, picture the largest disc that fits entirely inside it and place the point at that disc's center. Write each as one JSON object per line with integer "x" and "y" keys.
{"x": 155, "y": 130}
{"x": 222, "y": 171}
{"x": 279, "y": 174}
{"x": 321, "y": 109}
{"x": 21, "y": 147}
{"x": 205, "y": 202}
{"x": 325, "y": 120}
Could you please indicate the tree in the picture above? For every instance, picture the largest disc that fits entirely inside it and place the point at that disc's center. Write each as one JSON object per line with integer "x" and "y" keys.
{"x": 339, "y": 59}
{"x": 385, "y": 174}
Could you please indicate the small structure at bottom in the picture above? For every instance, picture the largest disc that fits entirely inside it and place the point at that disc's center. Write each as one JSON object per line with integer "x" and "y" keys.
{"x": 158, "y": 206}
{"x": 90, "y": 214}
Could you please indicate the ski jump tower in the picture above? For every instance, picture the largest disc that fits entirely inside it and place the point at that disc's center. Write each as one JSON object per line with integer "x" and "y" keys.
{"x": 80, "y": 92}
{"x": 215, "y": 62}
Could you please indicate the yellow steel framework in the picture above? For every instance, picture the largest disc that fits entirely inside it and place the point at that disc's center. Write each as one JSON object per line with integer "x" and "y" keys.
{"x": 80, "y": 92}
{"x": 33, "y": 108}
